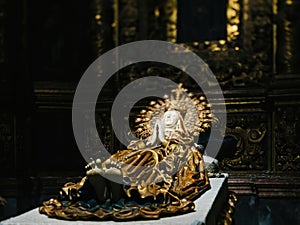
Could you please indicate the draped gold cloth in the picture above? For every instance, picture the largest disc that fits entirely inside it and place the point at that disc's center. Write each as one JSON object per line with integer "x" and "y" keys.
{"x": 162, "y": 173}
{"x": 176, "y": 193}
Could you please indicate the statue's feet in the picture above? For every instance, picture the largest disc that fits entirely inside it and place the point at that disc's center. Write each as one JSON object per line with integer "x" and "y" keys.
{"x": 109, "y": 167}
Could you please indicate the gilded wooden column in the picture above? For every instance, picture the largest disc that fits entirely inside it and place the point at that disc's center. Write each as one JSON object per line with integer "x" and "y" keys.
{"x": 102, "y": 19}
{"x": 128, "y": 21}
{"x": 288, "y": 36}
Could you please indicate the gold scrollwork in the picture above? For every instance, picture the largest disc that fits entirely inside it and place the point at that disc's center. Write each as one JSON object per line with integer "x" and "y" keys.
{"x": 287, "y": 144}
{"x": 250, "y": 153}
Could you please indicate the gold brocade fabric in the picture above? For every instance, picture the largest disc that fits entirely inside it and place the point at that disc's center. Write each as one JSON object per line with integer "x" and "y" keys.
{"x": 186, "y": 183}
{"x": 171, "y": 192}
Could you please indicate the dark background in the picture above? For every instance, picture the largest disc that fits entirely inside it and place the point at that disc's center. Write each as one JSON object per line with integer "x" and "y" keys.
{"x": 46, "y": 45}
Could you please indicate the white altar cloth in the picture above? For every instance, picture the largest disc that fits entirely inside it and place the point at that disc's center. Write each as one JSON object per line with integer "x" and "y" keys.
{"x": 207, "y": 209}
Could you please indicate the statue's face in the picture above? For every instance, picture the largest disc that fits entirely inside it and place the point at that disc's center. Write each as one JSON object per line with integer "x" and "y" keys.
{"x": 171, "y": 118}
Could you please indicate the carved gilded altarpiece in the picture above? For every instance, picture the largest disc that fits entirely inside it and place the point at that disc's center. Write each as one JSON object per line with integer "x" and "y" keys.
{"x": 245, "y": 64}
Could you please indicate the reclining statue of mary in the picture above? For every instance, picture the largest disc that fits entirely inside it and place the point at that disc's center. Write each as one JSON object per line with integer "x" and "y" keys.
{"x": 163, "y": 172}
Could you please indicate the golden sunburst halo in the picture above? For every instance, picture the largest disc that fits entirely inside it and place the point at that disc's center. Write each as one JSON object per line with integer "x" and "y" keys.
{"x": 194, "y": 109}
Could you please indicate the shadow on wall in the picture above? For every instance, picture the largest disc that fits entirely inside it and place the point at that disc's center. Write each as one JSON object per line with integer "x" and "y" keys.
{"x": 251, "y": 210}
